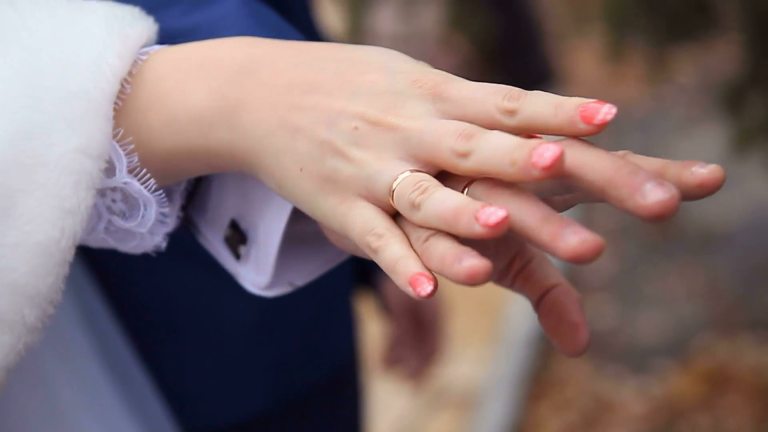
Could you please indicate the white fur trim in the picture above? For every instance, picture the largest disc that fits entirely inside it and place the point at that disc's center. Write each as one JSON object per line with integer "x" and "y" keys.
{"x": 62, "y": 65}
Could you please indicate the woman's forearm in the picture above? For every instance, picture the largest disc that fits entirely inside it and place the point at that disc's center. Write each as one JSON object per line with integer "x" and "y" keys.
{"x": 178, "y": 112}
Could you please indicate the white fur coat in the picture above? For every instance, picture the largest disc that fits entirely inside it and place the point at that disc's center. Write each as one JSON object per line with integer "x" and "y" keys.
{"x": 61, "y": 64}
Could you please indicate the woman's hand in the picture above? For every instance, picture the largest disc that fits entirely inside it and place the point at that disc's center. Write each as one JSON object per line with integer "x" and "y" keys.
{"x": 331, "y": 127}
{"x": 333, "y": 141}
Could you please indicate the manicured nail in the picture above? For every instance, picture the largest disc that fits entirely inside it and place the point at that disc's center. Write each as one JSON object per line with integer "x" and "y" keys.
{"x": 656, "y": 191}
{"x": 703, "y": 169}
{"x": 597, "y": 113}
{"x": 422, "y": 284}
{"x": 533, "y": 136}
{"x": 546, "y": 155}
{"x": 491, "y": 216}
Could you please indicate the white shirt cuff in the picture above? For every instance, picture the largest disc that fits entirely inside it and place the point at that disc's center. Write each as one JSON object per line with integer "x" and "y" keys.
{"x": 267, "y": 246}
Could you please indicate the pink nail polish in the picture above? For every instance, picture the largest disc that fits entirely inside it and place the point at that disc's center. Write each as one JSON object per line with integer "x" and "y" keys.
{"x": 533, "y": 136}
{"x": 546, "y": 155}
{"x": 491, "y": 216}
{"x": 422, "y": 284}
{"x": 597, "y": 113}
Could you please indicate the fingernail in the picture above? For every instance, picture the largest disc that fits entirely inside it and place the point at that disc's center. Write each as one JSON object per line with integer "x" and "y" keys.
{"x": 703, "y": 168}
{"x": 546, "y": 155}
{"x": 422, "y": 284}
{"x": 491, "y": 216}
{"x": 597, "y": 113}
{"x": 656, "y": 191}
{"x": 468, "y": 258}
{"x": 574, "y": 236}
{"x": 533, "y": 136}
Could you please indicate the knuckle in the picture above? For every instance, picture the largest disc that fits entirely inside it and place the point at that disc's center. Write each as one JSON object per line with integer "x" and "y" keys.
{"x": 400, "y": 264}
{"x": 376, "y": 240}
{"x": 563, "y": 110}
{"x": 512, "y": 100}
{"x": 538, "y": 299}
{"x": 464, "y": 143}
{"x": 429, "y": 83}
{"x": 420, "y": 193}
{"x": 384, "y": 121}
{"x": 624, "y": 154}
{"x": 426, "y": 239}
{"x": 515, "y": 273}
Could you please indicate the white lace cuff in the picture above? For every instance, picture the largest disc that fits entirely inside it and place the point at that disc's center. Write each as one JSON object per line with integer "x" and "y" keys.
{"x": 131, "y": 214}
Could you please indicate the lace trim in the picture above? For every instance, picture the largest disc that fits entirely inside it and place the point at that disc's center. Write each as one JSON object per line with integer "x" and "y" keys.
{"x": 125, "y": 84}
{"x": 131, "y": 213}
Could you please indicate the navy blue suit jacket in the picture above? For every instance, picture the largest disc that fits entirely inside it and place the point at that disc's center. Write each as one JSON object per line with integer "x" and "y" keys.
{"x": 220, "y": 355}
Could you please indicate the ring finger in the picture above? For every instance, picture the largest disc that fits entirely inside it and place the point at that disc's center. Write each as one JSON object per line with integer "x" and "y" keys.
{"x": 422, "y": 199}
{"x": 535, "y": 221}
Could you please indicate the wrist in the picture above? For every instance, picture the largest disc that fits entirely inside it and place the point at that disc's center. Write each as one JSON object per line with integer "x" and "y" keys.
{"x": 179, "y": 113}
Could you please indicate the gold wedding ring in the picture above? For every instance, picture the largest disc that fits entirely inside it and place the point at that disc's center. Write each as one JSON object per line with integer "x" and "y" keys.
{"x": 465, "y": 189}
{"x": 404, "y": 175}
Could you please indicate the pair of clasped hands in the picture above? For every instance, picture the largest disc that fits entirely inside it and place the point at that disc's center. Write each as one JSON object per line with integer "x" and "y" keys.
{"x": 421, "y": 171}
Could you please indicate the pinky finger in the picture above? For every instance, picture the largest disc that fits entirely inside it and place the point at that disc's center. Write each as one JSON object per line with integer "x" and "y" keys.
{"x": 444, "y": 255}
{"x": 342, "y": 242}
{"x": 377, "y": 235}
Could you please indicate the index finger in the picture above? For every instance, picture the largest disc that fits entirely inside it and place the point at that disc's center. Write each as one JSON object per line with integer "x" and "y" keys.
{"x": 517, "y": 111}
{"x": 620, "y": 182}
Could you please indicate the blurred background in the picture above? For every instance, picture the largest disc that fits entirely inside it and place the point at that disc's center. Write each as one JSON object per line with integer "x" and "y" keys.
{"x": 679, "y": 310}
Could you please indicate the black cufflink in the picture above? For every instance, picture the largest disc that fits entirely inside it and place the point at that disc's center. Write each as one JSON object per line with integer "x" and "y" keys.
{"x": 236, "y": 239}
